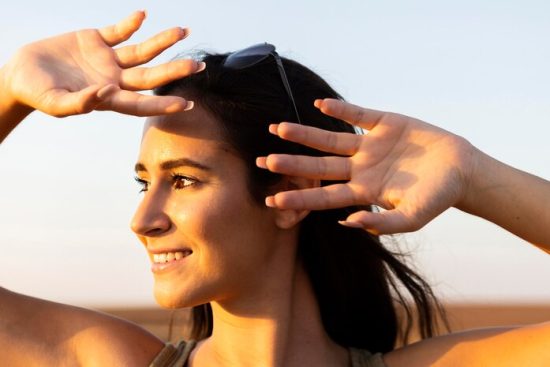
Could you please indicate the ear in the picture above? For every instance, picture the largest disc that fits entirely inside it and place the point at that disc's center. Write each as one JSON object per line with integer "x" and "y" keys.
{"x": 288, "y": 218}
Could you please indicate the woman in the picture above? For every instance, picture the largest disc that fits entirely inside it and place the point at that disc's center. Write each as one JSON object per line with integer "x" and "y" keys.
{"x": 277, "y": 275}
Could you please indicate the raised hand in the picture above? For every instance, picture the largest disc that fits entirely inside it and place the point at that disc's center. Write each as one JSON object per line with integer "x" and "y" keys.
{"x": 78, "y": 72}
{"x": 411, "y": 169}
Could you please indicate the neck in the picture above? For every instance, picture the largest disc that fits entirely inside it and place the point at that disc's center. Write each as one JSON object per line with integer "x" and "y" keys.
{"x": 279, "y": 325}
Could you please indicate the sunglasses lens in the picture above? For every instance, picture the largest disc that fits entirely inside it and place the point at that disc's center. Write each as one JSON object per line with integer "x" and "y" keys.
{"x": 249, "y": 56}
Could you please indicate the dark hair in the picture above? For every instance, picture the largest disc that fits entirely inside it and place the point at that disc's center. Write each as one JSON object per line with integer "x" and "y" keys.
{"x": 360, "y": 285}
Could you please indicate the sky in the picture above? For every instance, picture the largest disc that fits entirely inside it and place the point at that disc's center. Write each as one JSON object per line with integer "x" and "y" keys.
{"x": 478, "y": 69}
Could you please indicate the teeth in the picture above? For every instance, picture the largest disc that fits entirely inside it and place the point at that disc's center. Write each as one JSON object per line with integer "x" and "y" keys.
{"x": 170, "y": 256}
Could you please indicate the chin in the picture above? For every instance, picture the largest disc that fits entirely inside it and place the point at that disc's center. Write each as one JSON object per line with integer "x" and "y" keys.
{"x": 167, "y": 298}
{"x": 173, "y": 297}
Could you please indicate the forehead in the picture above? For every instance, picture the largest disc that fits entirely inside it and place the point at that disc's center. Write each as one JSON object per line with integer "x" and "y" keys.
{"x": 187, "y": 133}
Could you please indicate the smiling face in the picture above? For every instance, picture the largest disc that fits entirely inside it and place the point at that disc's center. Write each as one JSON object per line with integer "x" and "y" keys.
{"x": 206, "y": 237}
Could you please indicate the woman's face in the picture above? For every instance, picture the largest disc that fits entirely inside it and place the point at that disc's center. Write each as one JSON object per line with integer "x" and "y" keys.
{"x": 205, "y": 236}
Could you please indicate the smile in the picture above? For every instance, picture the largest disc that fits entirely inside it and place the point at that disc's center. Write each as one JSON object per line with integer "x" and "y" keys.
{"x": 166, "y": 257}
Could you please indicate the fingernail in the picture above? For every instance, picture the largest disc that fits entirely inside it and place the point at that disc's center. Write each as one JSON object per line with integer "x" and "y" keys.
{"x": 189, "y": 106}
{"x": 261, "y": 162}
{"x": 350, "y": 224}
{"x": 273, "y": 129}
{"x": 184, "y": 32}
{"x": 270, "y": 202}
{"x": 201, "y": 67}
{"x": 317, "y": 103}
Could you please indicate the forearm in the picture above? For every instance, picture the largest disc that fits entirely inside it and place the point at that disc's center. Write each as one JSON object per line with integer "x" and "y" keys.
{"x": 526, "y": 345}
{"x": 11, "y": 112}
{"x": 515, "y": 200}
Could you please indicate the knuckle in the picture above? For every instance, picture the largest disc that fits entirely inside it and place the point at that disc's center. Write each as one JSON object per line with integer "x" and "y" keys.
{"x": 332, "y": 141}
{"x": 347, "y": 168}
{"x": 359, "y": 114}
{"x": 322, "y": 167}
{"x": 325, "y": 199}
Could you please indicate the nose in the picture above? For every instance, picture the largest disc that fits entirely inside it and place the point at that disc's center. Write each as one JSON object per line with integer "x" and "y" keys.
{"x": 150, "y": 219}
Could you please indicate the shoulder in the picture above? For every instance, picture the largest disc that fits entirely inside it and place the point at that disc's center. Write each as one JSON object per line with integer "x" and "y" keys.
{"x": 511, "y": 346}
{"x": 39, "y": 332}
{"x": 98, "y": 339}
{"x": 105, "y": 340}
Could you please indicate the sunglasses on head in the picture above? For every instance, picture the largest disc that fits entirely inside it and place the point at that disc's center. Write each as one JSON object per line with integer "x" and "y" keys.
{"x": 253, "y": 55}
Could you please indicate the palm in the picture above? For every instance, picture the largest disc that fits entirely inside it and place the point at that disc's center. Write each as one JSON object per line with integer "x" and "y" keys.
{"x": 71, "y": 62}
{"x": 407, "y": 165}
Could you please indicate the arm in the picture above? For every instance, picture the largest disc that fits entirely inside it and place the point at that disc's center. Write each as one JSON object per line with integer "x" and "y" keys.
{"x": 76, "y": 73}
{"x": 515, "y": 200}
{"x": 11, "y": 112}
{"x": 412, "y": 169}
{"x": 503, "y": 347}
{"x": 416, "y": 171}
{"x": 37, "y": 332}
{"x": 79, "y": 72}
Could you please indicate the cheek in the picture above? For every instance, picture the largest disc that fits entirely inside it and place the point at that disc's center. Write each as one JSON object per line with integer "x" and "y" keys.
{"x": 229, "y": 233}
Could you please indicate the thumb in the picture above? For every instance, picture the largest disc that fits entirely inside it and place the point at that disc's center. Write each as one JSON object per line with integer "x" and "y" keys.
{"x": 61, "y": 103}
{"x": 385, "y": 222}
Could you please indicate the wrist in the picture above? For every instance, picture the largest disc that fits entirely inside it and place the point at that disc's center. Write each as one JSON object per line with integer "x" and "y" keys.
{"x": 475, "y": 169}
{"x": 12, "y": 112}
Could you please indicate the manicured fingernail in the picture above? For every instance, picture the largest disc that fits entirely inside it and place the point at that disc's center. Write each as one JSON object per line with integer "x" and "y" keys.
{"x": 317, "y": 103}
{"x": 261, "y": 162}
{"x": 273, "y": 129}
{"x": 201, "y": 67}
{"x": 190, "y": 105}
{"x": 270, "y": 201}
{"x": 185, "y": 32}
{"x": 350, "y": 224}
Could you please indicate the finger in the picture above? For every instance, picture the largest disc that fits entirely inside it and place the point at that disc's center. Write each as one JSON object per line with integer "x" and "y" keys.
{"x": 319, "y": 198}
{"x": 327, "y": 141}
{"x": 322, "y": 168}
{"x": 355, "y": 115}
{"x": 149, "y": 78}
{"x": 131, "y": 103}
{"x": 133, "y": 55}
{"x": 61, "y": 103}
{"x": 120, "y": 32}
{"x": 386, "y": 222}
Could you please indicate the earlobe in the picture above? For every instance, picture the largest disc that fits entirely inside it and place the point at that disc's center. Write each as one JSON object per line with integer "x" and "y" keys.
{"x": 288, "y": 218}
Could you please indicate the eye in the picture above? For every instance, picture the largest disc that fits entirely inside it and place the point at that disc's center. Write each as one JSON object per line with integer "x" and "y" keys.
{"x": 181, "y": 182}
{"x": 141, "y": 182}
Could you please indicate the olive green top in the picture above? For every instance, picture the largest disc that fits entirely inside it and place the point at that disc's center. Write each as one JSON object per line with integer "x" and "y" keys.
{"x": 177, "y": 356}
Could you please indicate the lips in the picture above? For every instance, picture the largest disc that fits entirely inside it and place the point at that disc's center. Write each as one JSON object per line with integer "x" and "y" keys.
{"x": 166, "y": 260}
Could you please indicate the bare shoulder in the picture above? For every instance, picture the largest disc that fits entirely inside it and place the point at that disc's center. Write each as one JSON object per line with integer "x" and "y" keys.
{"x": 39, "y": 332}
{"x": 527, "y": 345}
{"x": 105, "y": 340}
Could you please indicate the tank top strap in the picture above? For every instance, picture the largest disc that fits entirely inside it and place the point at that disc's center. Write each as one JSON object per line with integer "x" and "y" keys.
{"x": 174, "y": 355}
{"x": 364, "y": 358}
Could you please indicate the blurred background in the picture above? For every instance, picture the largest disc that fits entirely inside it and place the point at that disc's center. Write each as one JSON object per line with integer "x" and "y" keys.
{"x": 479, "y": 69}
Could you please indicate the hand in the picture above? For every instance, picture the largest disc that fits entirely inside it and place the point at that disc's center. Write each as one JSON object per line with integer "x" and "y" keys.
{"x": 78, "y": 72}
{"x": 410, "y": 168}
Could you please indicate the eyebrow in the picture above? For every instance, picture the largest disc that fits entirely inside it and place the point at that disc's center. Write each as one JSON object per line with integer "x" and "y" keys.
{"x": 181, "y": 162}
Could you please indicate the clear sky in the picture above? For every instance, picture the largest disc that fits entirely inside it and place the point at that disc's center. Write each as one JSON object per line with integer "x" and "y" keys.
{"x": 479, "y": 69}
